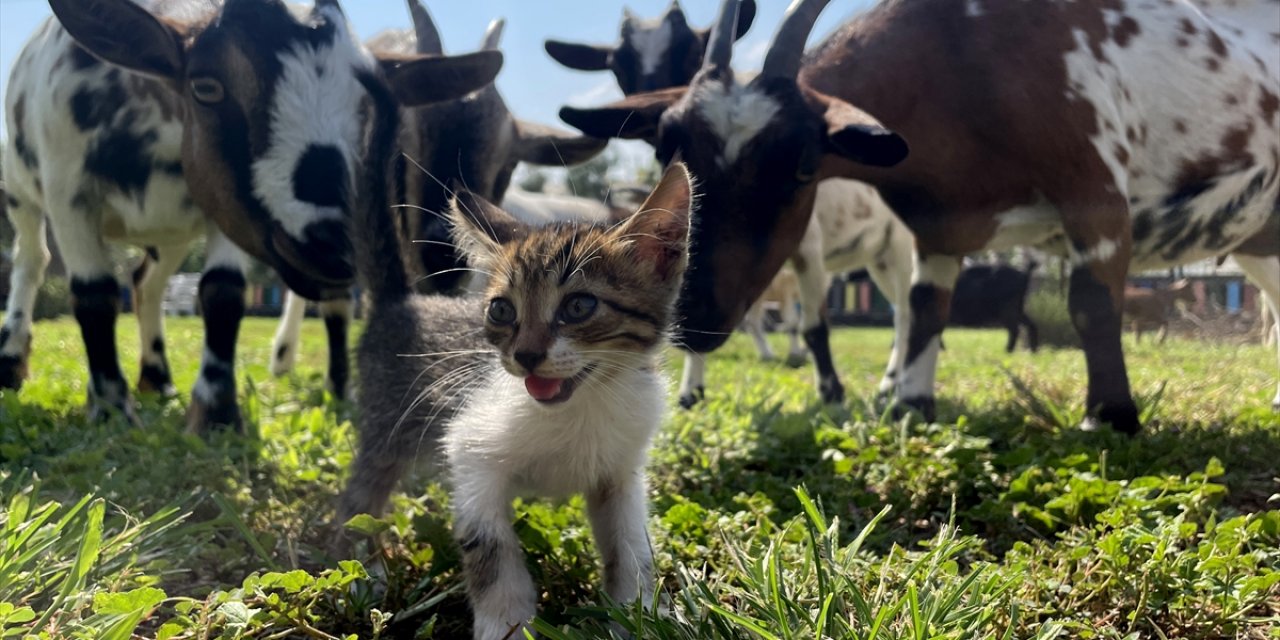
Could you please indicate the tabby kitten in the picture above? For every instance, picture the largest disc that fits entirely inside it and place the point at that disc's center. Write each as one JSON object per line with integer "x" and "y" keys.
{"x": 564, "y": 400}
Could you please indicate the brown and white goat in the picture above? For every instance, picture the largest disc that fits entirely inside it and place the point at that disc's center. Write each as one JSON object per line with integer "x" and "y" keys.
{"x": 1147, "y": 309}
{"x": 1122, "y": 134}
{"x": 244, "y": 121}
{"x": 472, "y": 140}
{"x": 851, "y": 227}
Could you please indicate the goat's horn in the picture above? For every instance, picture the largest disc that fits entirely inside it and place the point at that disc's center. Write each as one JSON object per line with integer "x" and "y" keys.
{"x": 493, "y": 35}
{"x": 675, "y": 8}
{"x": 424, "y": 28}
{"x": 787, "y": 51}
{"x": 720, "y": 47}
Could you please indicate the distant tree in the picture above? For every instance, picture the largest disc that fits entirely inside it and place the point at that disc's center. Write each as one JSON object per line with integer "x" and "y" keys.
{"x": 535, "y": 181}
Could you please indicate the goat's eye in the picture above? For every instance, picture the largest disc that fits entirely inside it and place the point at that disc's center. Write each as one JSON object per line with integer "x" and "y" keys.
{"x": 502, "y": 312}
{"x": 207, "y": 90}
{"x": 578, "y": 307}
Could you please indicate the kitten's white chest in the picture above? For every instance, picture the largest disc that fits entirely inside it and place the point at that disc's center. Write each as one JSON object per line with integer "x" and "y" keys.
{"x": 600, "y": 434}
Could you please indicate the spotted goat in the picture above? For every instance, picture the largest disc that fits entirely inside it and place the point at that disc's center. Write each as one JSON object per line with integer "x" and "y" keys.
{"x": 153, "y": 124}
{"x": 472, "y": 140}
{"x": 1120, "y": 134}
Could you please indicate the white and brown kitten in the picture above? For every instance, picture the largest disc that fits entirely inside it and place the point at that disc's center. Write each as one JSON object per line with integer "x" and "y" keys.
{"x": 565, "y": 399}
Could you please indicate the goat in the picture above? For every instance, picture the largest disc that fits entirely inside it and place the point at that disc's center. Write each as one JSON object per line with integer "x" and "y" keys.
{"x": 995, "y": 295}
{"x": 472, "y": 140}
{"x": 242, "y": 121}
{"x": 848, "y": 221}
{"x": 1146, "y": 309}
{"x": 651, "y": 54}
{"x": 1094, "y": 129}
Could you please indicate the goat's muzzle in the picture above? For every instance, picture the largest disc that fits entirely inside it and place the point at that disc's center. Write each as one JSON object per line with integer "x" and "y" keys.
{"x": 322, "y": 260}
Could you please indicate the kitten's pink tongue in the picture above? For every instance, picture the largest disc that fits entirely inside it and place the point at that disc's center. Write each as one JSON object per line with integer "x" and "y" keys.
{"x": 543, "y": 388}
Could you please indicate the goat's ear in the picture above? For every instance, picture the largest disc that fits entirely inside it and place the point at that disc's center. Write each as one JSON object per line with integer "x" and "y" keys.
{"x": 123, "y": 33}
{"x": 480, "y": 228}
{"x": 583, "y": 57}
{"x": 633, "y": 117}
{"x": 422, "y": 79}
{"x": 659, "y": 230}
{"x": 857, "y": 136}
{"x": 548, "y": 146}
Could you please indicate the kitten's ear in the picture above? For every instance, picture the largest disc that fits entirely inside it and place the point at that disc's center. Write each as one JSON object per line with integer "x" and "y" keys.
{"x": 480, "y": 227}
{"x": 659, "y": 230}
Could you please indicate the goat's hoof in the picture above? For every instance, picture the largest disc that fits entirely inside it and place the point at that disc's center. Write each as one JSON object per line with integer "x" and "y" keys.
{"x": 101, "y": 410}
{"x": 13, "y": 372}
{"x": 283, "y": 359}
{"x": 796, "y": 360}
{"x": 203, "y": 416}
{"x": 155, "y": 379}
{"x": 688, "y": 400}
{"x": 13, "y": 366}
{"x": 924, "y": 406}
{"x": 832, "y": 391}
{"x": 1122, "y": 418}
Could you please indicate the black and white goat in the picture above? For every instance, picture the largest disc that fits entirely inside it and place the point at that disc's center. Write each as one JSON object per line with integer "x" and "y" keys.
{"x": 1093, "y": 127}
{"x": 650, "y": 54}
{"x": 246, "y": 121}
{"x": 474, "y": 141}
{"x": 851, "y": 227}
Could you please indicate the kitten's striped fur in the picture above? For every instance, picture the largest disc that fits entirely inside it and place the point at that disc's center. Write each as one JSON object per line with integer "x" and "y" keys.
{"x": 583, "y": 312}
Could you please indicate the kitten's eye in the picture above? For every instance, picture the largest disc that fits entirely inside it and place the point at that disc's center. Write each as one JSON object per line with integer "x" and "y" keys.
{"x": 578, "y": 307}
{"x": 502, "y": 312}
{"x": 207, "y": 90}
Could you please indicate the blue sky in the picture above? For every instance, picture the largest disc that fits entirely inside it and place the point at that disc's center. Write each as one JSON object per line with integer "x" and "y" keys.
{"x": 533, "y": 84}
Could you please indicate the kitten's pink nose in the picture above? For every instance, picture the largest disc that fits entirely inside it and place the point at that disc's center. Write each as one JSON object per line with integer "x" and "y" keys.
{"x": 530, "y": 359}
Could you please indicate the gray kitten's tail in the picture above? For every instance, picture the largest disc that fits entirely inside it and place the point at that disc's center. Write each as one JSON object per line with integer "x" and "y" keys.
{"x": 377, "y": 246}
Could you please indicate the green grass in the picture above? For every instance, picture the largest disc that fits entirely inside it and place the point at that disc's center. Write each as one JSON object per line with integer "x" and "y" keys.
{"x": 771, "y": 516}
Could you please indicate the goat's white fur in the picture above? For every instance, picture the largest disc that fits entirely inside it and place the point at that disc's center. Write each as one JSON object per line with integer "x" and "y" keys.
{"x": 735, "y": 113}
{"x": 313, "y": 103}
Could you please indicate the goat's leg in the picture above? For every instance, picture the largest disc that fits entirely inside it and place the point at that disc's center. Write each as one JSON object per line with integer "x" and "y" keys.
{"x": 1163, "y": 333}
{"x": 1265, "y": 272}
{"x": 213, "y": 400}
{"x": 692, "y": 379}
{"x": 814, "y": 283}
{"x": 891, "y": 272}
{"x": 337, "y": 318}
{"x": 95, "y": 300}
{"x": 1100, "y": 248}
{"x": 1033, "y": 332}
{"x": 1012, "y": 327}
{"x": 149, "y": 282}
{"x": 30, "y": 258}
{"x": 932, "y": 285}
{"x": 796, "y": 351}
{"x": 753, "y": 322}
{"x": 284, "y": 348}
